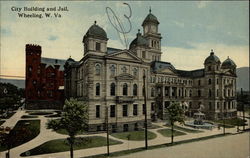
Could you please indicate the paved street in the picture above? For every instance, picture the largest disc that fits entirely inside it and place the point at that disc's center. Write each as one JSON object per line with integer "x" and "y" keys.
{"x": 215, "y": 146}
{"x": 233, "y": 146}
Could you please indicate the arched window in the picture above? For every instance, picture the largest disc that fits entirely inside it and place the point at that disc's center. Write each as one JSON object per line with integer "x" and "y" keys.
{"x": 112, "y": 70}
{"x": 112, "y": 89}
{"x": 97, "y": 89}
{"x": 125, "y": 89}
{"x": 190, "y": 93}
{"x": 209, "y": 81}
{"x": 135, "y": 90}
{"x": 98, "y": 69}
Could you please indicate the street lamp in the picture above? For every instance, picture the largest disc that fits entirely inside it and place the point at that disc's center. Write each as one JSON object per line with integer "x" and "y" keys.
{"x": 145, "y": 103}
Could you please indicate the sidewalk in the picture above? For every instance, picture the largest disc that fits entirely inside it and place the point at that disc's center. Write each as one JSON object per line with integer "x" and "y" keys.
{"x": 46, "y": 135}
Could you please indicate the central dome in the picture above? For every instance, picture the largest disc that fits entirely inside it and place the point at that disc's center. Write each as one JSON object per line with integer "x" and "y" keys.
{"x": 96, "y": 32}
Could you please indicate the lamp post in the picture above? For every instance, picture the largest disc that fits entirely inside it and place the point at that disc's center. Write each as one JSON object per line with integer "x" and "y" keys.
{"x": 145, "y": 103}
{"x": 107, "y": 128}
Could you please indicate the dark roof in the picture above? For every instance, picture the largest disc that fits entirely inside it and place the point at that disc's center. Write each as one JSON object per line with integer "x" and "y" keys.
{"x": 52, "y": 62}
{"x": 111, "y": 50}
{"x": 138, "y": 41}
{"x": 156, "y": 65}
{"x": 228, "y": 63}
{"x": 191, "y": 74}
{"x": 212, "y": 59}
{"x": 96, "y": 31}
{"x": 150, "y": 18}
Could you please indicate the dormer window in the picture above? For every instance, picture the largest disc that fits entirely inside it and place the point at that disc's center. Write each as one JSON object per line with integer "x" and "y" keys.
{"x": 98, "y": 46}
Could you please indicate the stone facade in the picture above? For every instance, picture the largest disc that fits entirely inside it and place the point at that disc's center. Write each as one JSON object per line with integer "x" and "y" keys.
{"x": 112, "y": 80}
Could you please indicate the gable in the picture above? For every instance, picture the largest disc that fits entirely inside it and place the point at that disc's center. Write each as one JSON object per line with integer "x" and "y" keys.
{"x": 124, "y": 55}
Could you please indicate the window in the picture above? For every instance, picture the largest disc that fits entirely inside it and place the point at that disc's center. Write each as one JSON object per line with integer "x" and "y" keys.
{"x": 210, "y": 106}
{"x": 125, "y": 89}
{"x": 143, "y": 109}
{"x": 112, "y": 70}
{"x": 135, "y": 109}
{"x": 97, "y": 111}
{"x": 166, "y": 91}
{"x": 125, "y": 127}
{"x": 125, "y": 110}
{"x": 112, "y": 111}
{"x": 135, "y": 90}
{"x": 218, "y": 105}
{"x": 153, "y": 106}
{"x": 217, "y": 81}
{"x": 98, "y": 69}
{"x": 143, "y": 54}
{"x": 190, "y": 105}
{"x": 135, "y": 71}
{"x": 199, "y": 82}
{"x": 112, "y": 89}
{"x": 225, "y": 105}
{"x": 228, "y": 92}
{"x": 97, "y": 89}
{"x": 190, "y": 93}
{"x": 209, "y": 81}
{"x": 210, "y": 93}
{"x": 217, "y": 92}
{"x": 98, "y": 46}
{"x": 30, "y": 68}
{"x": 199, "y": 93}
{"x": 209, "y": 68}
{"x": 124, "y": 69}
{"x": 152, "y": 92}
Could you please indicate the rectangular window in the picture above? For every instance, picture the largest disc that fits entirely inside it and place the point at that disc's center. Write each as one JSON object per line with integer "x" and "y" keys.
{"x": 153, "y": 106}
{"x": 125, "y": 110}
{"x": 143, "y": 109}
{"x": 97, "y": 111}
{"x": 143, "y": 54}
{"x": 112, "y": 111}
{"x": 98, "y": 46}
{"x": 135, "y": 109}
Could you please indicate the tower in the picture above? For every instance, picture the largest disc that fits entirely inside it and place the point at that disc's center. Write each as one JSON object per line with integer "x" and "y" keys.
{"x": 150, "y": 31}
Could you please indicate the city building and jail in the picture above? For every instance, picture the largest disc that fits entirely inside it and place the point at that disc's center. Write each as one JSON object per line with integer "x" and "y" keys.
{"x": 112, "y": 81}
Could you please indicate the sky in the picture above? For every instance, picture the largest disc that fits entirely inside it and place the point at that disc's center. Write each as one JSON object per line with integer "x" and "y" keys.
{"x": 189, "y": 30}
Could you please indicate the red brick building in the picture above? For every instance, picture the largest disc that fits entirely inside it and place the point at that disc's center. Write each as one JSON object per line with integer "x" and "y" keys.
{"x": 44, "y": 84}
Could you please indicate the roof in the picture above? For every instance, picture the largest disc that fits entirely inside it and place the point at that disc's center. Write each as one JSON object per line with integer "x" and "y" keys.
{"x": 96, "y": 31}
{"x": 52, "y": 62}
{"x": 212, "y": 59}
{"x": 156, "y": 65}
{"x": 192, "y": 73}
{"x": 228, "y": 63}
{"x": 150, "y": 18}
{"x": 138, "y": 41}
{"x": 111, "y": 50}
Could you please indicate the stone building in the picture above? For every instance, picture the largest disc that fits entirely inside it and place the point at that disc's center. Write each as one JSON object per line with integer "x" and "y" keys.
{"x": 112, "y": 80}
{"x": 44, "y": 80}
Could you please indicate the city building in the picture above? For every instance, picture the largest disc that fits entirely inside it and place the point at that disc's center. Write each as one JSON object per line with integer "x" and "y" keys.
{"x": 44, "y": 80}
{"x": 112, "y": 79}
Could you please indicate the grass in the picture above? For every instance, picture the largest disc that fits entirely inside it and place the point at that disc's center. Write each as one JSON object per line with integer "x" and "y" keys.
{"x": 126, "y": 152}
{"x": 1, "y": 122}
{"x": 24, "y": 131}
{"x": 167, "y": 132}
{"x": 54, "y": 115}
{"x": 185, "y": 129}
{"x": 134, "y": 135}
{"x": 60, "y": 145}
{"x": 29, "y": 116}
{"x": 8, "y": 115}
{"x": 63, "y": 131}
{"x": 230, "y": 123}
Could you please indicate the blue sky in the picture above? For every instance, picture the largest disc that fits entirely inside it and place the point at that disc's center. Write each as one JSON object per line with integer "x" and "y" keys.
{"x": 189, "y": 30}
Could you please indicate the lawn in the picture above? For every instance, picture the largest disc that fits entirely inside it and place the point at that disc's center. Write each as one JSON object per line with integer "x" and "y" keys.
{"x": 167, "y": 132}
{"x": 24, "y": 131}
{"x": 29, "y": 116}
{"x": 185, "y": 129}
{"x": 231, "y": 122}
{"x": 134, "y": 135}
{"x": 63, "y": 131}
{"x": 60, "y": 145}
{"x": 9, "y": 114}
{"x": 40, "y": 113}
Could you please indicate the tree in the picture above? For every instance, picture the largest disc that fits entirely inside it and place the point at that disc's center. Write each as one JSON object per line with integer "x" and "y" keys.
{"x": 74, "y": 119}
{"x": 175, "y": 113}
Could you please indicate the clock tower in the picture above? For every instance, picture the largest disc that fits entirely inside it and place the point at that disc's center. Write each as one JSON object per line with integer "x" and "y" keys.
{"x": 150, "y": 31}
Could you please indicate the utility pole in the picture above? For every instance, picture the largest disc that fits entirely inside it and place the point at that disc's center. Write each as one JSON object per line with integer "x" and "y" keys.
{"x": 145, "y": 103}
{"x": 243, "y": 107}
{"x": 107, "y": 128}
